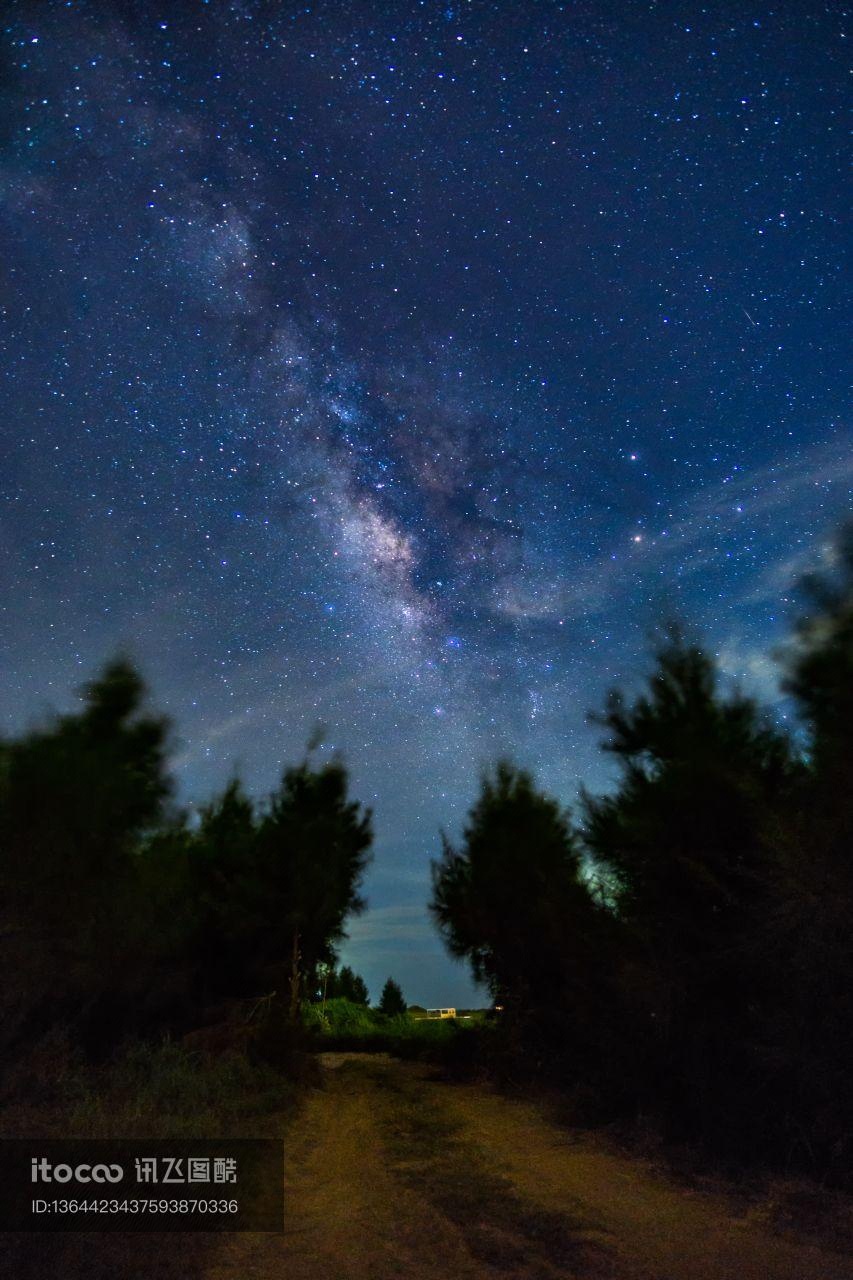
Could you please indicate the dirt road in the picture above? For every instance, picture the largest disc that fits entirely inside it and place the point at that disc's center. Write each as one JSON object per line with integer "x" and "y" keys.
{"x": 392, "y": 1174}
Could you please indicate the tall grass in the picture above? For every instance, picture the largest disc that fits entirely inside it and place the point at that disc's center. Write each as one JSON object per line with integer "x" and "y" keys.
{"x": 166, "y": 1091}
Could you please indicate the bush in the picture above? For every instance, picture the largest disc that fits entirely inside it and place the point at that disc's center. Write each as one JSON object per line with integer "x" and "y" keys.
{"x": 166, "y": 1091}
{"x": 346, "y": 1026}
{"x": 343, "y": 1017}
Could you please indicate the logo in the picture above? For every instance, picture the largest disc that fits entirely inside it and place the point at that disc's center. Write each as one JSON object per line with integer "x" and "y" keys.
{"x": 42, "y": 1170}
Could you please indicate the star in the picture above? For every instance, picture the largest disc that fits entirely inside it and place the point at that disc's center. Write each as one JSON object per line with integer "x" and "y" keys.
{"x": 325, "y": 343}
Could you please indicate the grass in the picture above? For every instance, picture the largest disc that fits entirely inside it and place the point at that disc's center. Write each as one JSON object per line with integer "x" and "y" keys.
{"x": 342, "y": 1025}
{"x": 147, "y": 1091}
{"x": 166, "y": 1091}
{"x": 152, "y": 1091}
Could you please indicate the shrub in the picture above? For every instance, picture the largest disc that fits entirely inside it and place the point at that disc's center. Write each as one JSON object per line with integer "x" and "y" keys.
{"x": 166, "y": 1091}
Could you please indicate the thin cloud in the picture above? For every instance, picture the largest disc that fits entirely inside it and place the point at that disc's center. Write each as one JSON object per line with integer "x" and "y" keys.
{"x": 690, "y": 544}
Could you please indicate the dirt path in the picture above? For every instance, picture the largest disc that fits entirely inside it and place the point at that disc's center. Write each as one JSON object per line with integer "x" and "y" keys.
{"x": 391, "y": 1175}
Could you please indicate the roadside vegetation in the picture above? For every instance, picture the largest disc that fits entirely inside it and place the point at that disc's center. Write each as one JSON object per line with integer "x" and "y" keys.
{"x": 677, "y": 953}
{"x": 674, "y": 955}
{"x": 156, "y": 1091}
{"x": 160, "y": 957}
{"x": 341, "y": 1025}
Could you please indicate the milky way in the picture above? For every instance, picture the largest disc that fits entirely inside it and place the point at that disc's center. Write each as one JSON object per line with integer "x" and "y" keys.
{"x": 391, "y": 368}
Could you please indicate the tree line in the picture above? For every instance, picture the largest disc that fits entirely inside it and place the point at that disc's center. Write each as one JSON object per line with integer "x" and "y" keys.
{"x": 678, "y": 948}
{"x": 121, "y": 916}
{"x": 345, "y": 984}
{"x": 681, "y": 947}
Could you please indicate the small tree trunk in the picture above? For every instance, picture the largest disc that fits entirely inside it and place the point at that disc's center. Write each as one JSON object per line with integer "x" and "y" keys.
{"x": 294, "y": 977}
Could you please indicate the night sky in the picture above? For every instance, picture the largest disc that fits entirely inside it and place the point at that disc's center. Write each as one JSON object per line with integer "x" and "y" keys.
{"x": 391, "y": 367}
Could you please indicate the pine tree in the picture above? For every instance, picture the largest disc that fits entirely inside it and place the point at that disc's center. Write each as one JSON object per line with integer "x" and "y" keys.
{"x": 509, "y": 897}
{"x": 391, "y": 1002}
{"x": 347, "y": 985}
{"x": 76, "y": 799}
{"x": 313, "y": 850}
{"x": 684, "y": 843}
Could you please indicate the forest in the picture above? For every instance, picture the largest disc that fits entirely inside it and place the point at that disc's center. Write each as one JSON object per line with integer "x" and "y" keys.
{"x": 676, "y": 951}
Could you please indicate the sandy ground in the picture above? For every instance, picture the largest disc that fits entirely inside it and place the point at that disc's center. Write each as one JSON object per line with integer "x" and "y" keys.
{"x": 392, "y": 1174}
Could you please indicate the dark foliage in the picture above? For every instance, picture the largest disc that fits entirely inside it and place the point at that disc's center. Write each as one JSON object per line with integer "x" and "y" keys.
{"x": 313, "y": 849}
{"x": 810, "y": 946}
{"x": 683, "y": 840}
{"x": 682, "y": 953}
{"x": 119, "y": 917}
{"x": 513, "y": 900}
{"x": 76, "y": 800}
{"x": 391, "y": 1002}
{"x": 685, "y": 954}
{"x": 346, "y": 985}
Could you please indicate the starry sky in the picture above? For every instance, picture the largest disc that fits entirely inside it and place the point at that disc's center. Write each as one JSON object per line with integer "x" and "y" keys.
{"x": 392, "y": 367}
